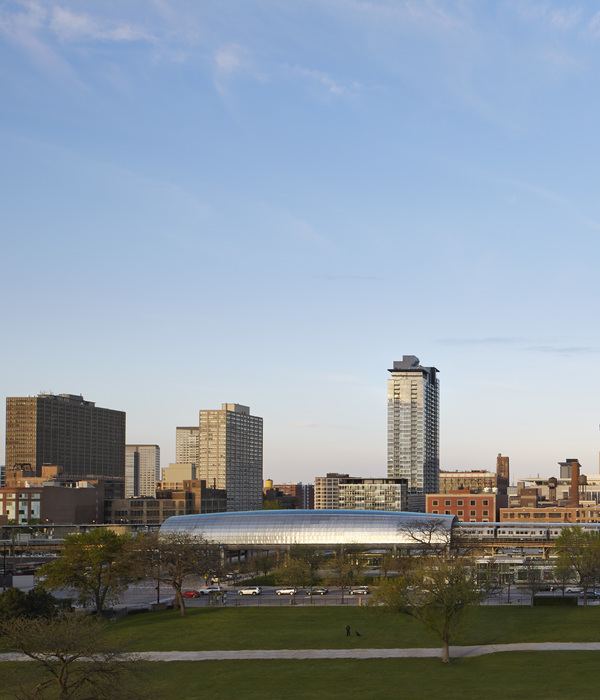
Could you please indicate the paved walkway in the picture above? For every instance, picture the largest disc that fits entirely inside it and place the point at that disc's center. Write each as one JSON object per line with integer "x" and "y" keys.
{"x": 271, "y": 654}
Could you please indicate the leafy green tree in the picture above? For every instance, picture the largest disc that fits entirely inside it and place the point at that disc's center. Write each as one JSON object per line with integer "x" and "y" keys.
{"x": 436, "y": 592}
{"x": 172, "y": 558}
{"x": 311, "y": 556}
{"x": 271, "y": 505}
{"x": 97, "y": 564}
{"x": 36, "y": 603}
{"x": 13, "y": 603}
{"x": 563, "y": 575}
{"x": 579, "y": 550}
{"x": 295, "y": 572}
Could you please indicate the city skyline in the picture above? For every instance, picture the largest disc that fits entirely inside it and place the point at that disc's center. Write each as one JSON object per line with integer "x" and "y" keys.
{"x": 265, "y": 205}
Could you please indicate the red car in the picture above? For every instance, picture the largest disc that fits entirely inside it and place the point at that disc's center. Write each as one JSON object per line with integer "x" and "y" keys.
{"x": 191, "y": 594}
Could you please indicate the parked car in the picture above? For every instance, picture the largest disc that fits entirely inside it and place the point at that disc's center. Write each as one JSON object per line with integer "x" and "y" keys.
{"x": 291, "y": 590}
{"x": 361, "y": 590}
{"x": 191, "y": 594}
{"x": 318, "y": 591}
{"x": 251, "y": 590}
{"x": 210, "y": 589}
{"x": 574, "y": 589}
{"x": 591, "y": 595}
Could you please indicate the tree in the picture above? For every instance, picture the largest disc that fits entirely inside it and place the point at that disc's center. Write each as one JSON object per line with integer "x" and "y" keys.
{"x": 428, "y": 536}
{"x": 97, "y": 564}
{"x": 273, "y": 504}
{"x": 392, "y": 562}
{"x": 563, "y": 575}
{"x": 311, "y": 556}
{"x": 260, "y": 564}
{"x": 295, "y": 572}
{"x": 172, "y": 558}
{"x": 436, "y": 592}
{"x": 58, "y": 645}
{"x": 347, "y": 569}
{"x": 579, "y": 550}
{"x": 533, "y": 582}
{"x": 36, "y": 603}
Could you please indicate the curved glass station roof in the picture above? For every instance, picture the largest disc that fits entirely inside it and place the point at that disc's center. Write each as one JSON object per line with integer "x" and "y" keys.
{"x": 268, "y": 529}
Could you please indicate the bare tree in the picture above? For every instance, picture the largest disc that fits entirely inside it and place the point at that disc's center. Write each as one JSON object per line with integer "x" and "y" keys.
{"x": 73, "y": 656}
{"x": 533, "y": 582}
{"x": 436, "y": 592}
{"x": 347, "y": 568}
{"x": 427, "y": 536}
{"x": 172, "y": 558}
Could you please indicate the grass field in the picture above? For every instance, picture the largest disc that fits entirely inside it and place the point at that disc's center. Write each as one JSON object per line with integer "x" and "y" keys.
{"x": 324, "y": 628}
{"x": 530, "y": 675}
{"x": 516, "y": 676}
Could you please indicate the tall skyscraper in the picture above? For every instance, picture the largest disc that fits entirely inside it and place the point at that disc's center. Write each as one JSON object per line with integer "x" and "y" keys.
{"x": 230, "y": 455}
{"x": 413, "y": 428}
{"x": 186, "y": 445}
{"x": 66, "y": 431}
{"x": 142, "y": 470}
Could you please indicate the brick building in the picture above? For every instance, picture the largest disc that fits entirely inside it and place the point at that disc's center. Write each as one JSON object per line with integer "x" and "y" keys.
{"x": 468, "y": 507}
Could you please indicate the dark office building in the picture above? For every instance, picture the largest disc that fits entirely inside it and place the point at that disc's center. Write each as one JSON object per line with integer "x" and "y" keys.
{"x": 64, "y": 430}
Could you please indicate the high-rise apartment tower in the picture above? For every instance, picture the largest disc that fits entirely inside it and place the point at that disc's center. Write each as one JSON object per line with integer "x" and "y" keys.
{"x": 186, "y": 445}
{"x": 230, "y": 455}
{"x": 65, "y": 431}
{"x": 413, "y": 428}
{"x": 142, "y": 470}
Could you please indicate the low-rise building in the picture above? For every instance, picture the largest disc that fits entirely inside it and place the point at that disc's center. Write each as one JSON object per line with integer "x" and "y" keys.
{"x": 552, "y": 514}
{"x": 467, "y": 506}
{"x": 373, "y": 494}
{"x": 192, "y": 499}
{"x": 327, "y": 491}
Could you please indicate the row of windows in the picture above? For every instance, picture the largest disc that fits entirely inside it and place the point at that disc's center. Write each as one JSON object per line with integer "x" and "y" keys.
{"x": 472, "y": 513}
{"x": 485, "y": 502}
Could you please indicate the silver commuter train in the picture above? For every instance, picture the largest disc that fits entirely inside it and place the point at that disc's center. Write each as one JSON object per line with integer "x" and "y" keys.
{"x": 522, "y": 532}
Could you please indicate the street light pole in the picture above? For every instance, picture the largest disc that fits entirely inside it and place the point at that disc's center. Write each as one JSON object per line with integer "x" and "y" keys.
{"x": 158, "y": 577}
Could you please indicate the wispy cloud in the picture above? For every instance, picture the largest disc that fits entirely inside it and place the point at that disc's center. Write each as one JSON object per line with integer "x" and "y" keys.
{"x": 553, "y": 197}
{"x": 572, "y": 350}
{"x": 23, "y": 28}
{"x": 323, "y": 80}
{"x": 344, "y": 278}
{"x": 524, "y": 344}
{"x": 71, "y": 26}
{"x": 480, "y": 341}
{"x": 229, "y": 59}
{"x": 562, "y": 18}
{"x": 39, "y": 31}
{"x": 594, "y": 25}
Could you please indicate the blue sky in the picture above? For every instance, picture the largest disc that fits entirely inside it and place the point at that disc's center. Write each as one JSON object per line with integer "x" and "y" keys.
{"x": 269, "y": 202}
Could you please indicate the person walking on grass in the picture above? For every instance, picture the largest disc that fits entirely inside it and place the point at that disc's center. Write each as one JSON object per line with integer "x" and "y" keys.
{"x": 347, "y": 630}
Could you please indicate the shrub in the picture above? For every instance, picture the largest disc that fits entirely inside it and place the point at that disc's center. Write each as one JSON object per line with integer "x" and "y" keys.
{"x": 555, "y": 601}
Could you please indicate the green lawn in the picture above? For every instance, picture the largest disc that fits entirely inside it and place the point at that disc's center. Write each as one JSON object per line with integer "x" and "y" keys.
{"x": 526, "y": 675}
{"x": 324, "y": 628}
